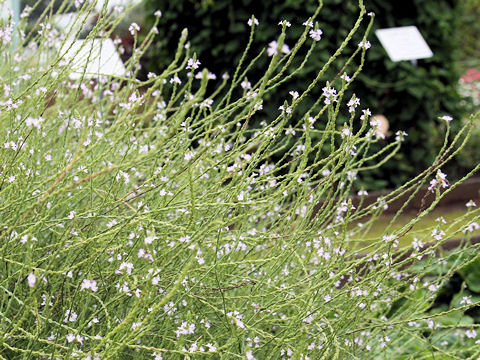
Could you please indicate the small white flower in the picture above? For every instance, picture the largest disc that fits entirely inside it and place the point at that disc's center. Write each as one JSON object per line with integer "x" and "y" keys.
{"x": 284, "y": 23}
{"x": 112, "y": 223}
{"x": 290, "y": 131}
{"x": 346, "y": 132}
{"x": 308, "y": 23}
{"x": 32, "y": 122}
{"x": 285, "y": 110}
{"x": 273, "y": 48}
{"x": 400, "y": 135}
{"x": 241, "y": 196}
{"x": 210, "y": 76}
{"x": 125, "y": 266}
{"x": 31, "y": 279}
{"x": 471, "y": 334}
{"x": 207, "y": 103}
{"x": 471, "y": 227}
{"x": 193, "y": 64}
{"x": 70, "y": 338}
{"x": 466, "y": 300}
{"x": 185, "y": 329}
{"x": 252, "y": 21}
{"x": 353, "y": 103}
{"x": 309, "y": 319}
{"x": 345, "y": 77}
{"x": 440, "y": 180}
{"x": 211, "y": 347}
{"x": 471, "y": 203}
{"x": 150, "y": 238}
{"x": 157, "y": 356}
{"x": 70, "y": 316}
{"x": 133, "y": 28}
{"x": 236, "y": 318}
{"x": 330, "y": 94}
{"x": 189, "y": 155}
{"x": 366, "y": 114}
{"x": 89, "y": 284}
{"x": 447, "y": 118}
{"x": 316, "y": 34}
{"x": 438, "y": 234}
{"x": 175, "y": 80}
{"x": 294, "y": 94}
{"x": 245, "y": 84}
{"x": 365, "y": 45}
{"x": 157, "y": 13}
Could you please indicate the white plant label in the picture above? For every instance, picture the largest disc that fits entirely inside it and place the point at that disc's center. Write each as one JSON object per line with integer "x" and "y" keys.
{"x": 70, "y": 23}
{"x": 5, "y": 9}
{"x": 111, "y": 4}
{"x": 95, "y": 57}
{"x": 404, "y": 43}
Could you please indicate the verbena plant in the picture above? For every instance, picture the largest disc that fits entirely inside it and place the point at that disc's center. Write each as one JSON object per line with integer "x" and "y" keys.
{"x": 146, "y": 219}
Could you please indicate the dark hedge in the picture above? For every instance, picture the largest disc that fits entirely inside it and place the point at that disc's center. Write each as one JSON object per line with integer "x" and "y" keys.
{"x": 411, "y": 97}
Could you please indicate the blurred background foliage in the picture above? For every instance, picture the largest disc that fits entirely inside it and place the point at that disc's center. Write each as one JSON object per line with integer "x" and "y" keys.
{"x": 468, "y": 34}
{"x": 411, "y": 97}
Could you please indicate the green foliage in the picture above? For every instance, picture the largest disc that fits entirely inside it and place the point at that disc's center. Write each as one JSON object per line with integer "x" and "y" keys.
{"x": 457, "y": 273}
{"x": 468, "y": 34}
{"x": 410, "y": 97}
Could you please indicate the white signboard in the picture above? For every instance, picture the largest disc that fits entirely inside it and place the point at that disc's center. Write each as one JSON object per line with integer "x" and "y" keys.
{"x": 5, "y": 9}
{"x": 70, "y": 23}
{"x": 404, "y": 43}
{"x": 95, "y": 57}
{"x": 112, "y": 3}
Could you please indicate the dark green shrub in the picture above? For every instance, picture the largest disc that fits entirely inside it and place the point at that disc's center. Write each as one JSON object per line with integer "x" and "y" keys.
{"x": 468, "y": 34}
{"x": 410, "y": 97}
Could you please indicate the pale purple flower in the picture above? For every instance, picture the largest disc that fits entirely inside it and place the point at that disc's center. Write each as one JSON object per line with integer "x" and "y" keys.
{"x": 193, "y": 64}
{"x": 470, "y": 204}
{"x": 236, "y": 318}
{"x": 308, "y": 23}
{"x": 273, "y": 48}
{"x": 440, "y": 180}
{"x": 330, "y": 94}
{"x": 400, "y": 135}
{"x": 31, "y": 279}
{"x": 353, "y": 103}
{"x": 89, "y": 284}
{"x": 471, "y": 227}
{"x": 252, "y": 21}
{"x": 316, "y": 34}
{"x": 245, "y": 84}
{"x": 365, "y": 45}
{"x": 133, "y": 28}
{"x": 185, "y": 329}
{"x": 345, "y": 77}
{"x": 471, "y": 333}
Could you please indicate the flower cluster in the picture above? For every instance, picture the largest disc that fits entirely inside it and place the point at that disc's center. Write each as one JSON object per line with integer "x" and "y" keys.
{"x": 440, "y": 181}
